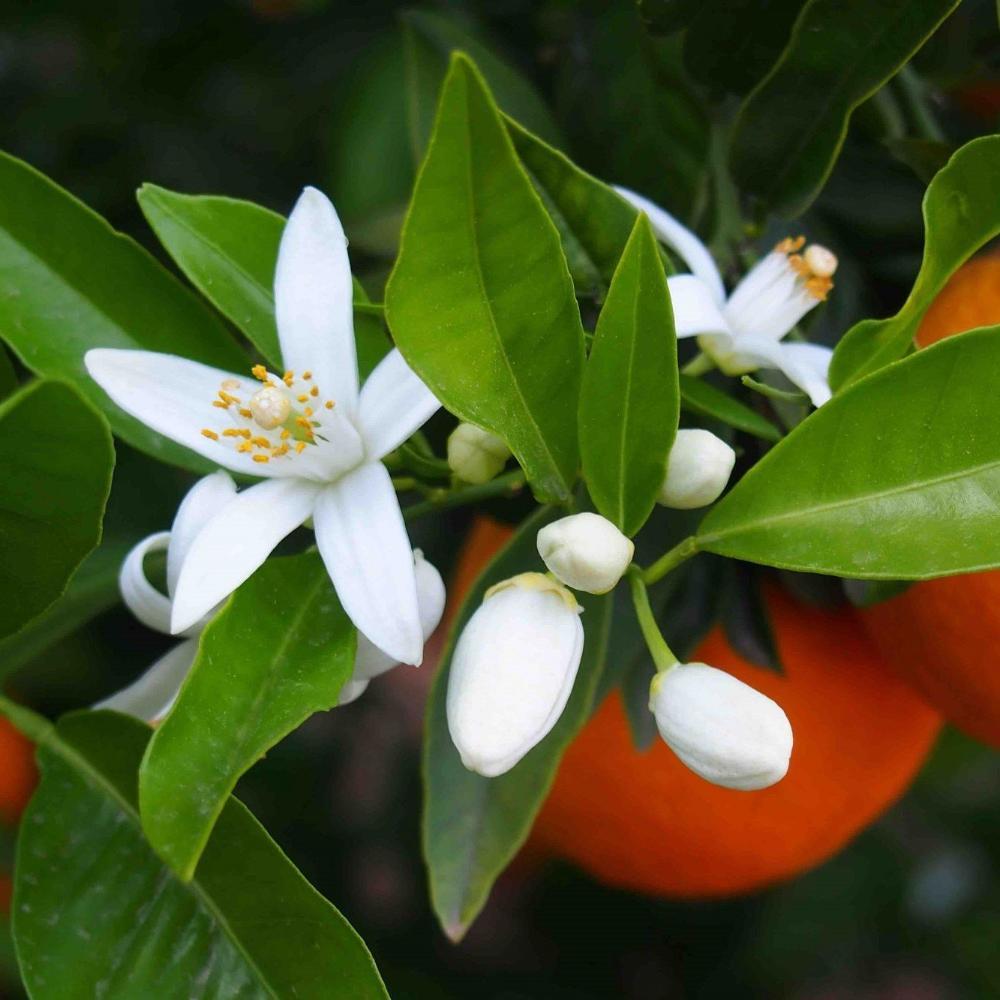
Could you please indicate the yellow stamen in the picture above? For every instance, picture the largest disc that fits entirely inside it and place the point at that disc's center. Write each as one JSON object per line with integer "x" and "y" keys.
{"x": 285, "y": 435}
{"x": 307, "y": 375}
{"x": 259, "y": 372}
{"x": 220, "y": 404}
{"x": 244, "y": 412}
{"x": 314, "y": 391}
{"x": 329, "y": 404}
{"x": 304, "y": 398}
{"x": 288, "y": 378}
{"x": 211, "y": 435}
{"x": 300, "y": 447}
{"x": 245, "y": 447}
{"x": 261, "y": 458}
{"x": 261, "y": 442}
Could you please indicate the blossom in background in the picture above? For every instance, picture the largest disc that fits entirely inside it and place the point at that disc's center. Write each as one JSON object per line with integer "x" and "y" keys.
{"x": 698, "y": 468}
{"x": 314, "y": 436}
{"x": 513, "y": 671}
{"x": 724, "y": 730}
{"x": 744, "y": 332}
{"x": 585, "y": 551}
{"x": 151, "y": 696}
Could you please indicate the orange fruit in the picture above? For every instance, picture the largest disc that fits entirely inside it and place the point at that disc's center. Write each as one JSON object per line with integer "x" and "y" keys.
{"x": 18, "y": 774}
{"x": 943, "y": 635}
{"x": 643, "y": 821}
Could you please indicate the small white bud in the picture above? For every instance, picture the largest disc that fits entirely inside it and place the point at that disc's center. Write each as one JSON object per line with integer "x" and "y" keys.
{"x": 585, "y": 551}
{"x": 475, "y": 455}
{"x": 370, "y": 661}
{"x": 698, "y": 469}
{"x": 513, "y": 671}
{"x": 721, "y": 728}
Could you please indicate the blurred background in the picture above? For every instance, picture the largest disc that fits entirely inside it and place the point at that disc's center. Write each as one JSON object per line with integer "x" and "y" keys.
{"x": 256, "y": 99}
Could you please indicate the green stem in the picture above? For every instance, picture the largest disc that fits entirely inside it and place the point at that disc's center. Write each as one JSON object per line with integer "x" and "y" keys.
{"x": 421, "y": 464}
{"x": 663, "y": 655}
{"x": 507, "y": 485}
{"x": 915, "y": 97}
{"x": 670, "y": 560}
{"x": 700, "y": 364}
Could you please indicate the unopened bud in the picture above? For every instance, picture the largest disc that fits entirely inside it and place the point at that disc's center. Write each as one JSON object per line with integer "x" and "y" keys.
{"x": 475, "y": 455}
{"x": 585, "y": 551}
{"x": 721, "y": 728}
{"x": 513, "y": 671}
{"x": 698, "y": 469}
{"x": 370, "y": 661}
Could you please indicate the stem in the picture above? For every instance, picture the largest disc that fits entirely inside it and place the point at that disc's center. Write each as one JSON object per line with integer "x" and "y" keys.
{"x": 663, "y": 656}
{"x": 915, "y": 97}
{"x": 670, "y": 560}
{"x": 700, "y": 364}
{"x": 507, "y": 485}
{"x": 424, "y": 465}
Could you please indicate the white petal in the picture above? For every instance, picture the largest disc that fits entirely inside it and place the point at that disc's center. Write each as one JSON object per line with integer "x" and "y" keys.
{"x": 351, "y": 691}
{"x": 694, "y": 308}
{"x": 141, "y": 598}
{"x": 808, "y": 366}
{"x": 512, "y": 673}
{"x": 236, "y": 541}
{"x": 151, "y": 696}
{"x": 203, "y": 501}
{"x": 805, "y": 365}
{"x": 394, "y": 403}
{"x": 314, "y": 300}
{"x": 677, "y": 236}
{"x": 173, "y": 396}
{"x": 362, "y": 539}
{"x": 370, "y": 661}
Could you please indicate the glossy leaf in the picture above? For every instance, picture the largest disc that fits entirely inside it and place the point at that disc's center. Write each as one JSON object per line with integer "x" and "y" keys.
{"x": 896, "y": 478}
{"x": 279, "y": 651}
{"x": 790, "y": 130}
{"x": 473, "y": 826}
{"x": 961, "y": 213}
{"x": 481, "y": 302}
{"x": 593, "y": 220}
{"x": 57, "y": 457}
{"x": 698, "y": 396}
{"x": 629, "y": 403}
{"x": 228, "y": 249}
{"x": 96, "y": 913}
{"x": 69, "y": 282}
{"x": 429, "y": 39}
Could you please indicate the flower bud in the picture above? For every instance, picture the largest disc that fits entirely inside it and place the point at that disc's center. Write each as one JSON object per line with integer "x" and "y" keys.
{"x": 475, "y": 455}
{"x": 370, "y": 661}
{"x": 721, "y": 728}
{"x": 513, "y": 671}
{"x": 698, "y": 469}
{"x": 585, "y": 551}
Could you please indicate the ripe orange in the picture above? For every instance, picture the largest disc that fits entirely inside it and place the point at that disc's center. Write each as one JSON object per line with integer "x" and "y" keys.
{"x": 943, "y": 636}
{"x": 18, "y": 774}
{"x": 647, "y": 823}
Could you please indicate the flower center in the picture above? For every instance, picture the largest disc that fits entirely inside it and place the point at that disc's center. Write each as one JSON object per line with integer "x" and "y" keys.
{"x": 278, "y": 419}
{"x": 815, "y": 266}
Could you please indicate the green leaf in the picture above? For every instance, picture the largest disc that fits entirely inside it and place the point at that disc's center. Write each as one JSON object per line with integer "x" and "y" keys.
{"x": 429, "y": 39}
{"x": 593, "y": 220}
{"x": 629, "y": 402}
{"x": 698, "y": 396}
{"x": 57, "y": 458}
{"x": 790, "y": 130}
{"x": 663, "y": 17}
{"x": 96, "y": 913}
{"x": 69, "y": 282}
{"x": 228, "y": 249}
{"x": 8, "y": 377}
{"x": 961, "y": 213}
{"x": 279, "y": 651}
{"x": 481, "y": 302}
{"x": 731, "y": 44}
{"x": 473, "y": 826}
{"x": 896, "y": 478}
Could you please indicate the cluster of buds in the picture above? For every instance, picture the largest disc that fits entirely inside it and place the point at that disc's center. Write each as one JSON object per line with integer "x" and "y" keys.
{"x": 517, "y": 657}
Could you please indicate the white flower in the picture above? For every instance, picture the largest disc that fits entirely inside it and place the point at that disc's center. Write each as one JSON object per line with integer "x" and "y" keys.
{"x": 743, "y": 332}
{"x": 585, "y": 551}
{"x": 721, "y": 728}
{"x": 475, "y": 455}
{"x": 316, "y": 439}
{"x": 513, "y": 671}
{"x": 698, "y": 469}
{"x": 370, "y": 661}
{"x": 151, "y": 696}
